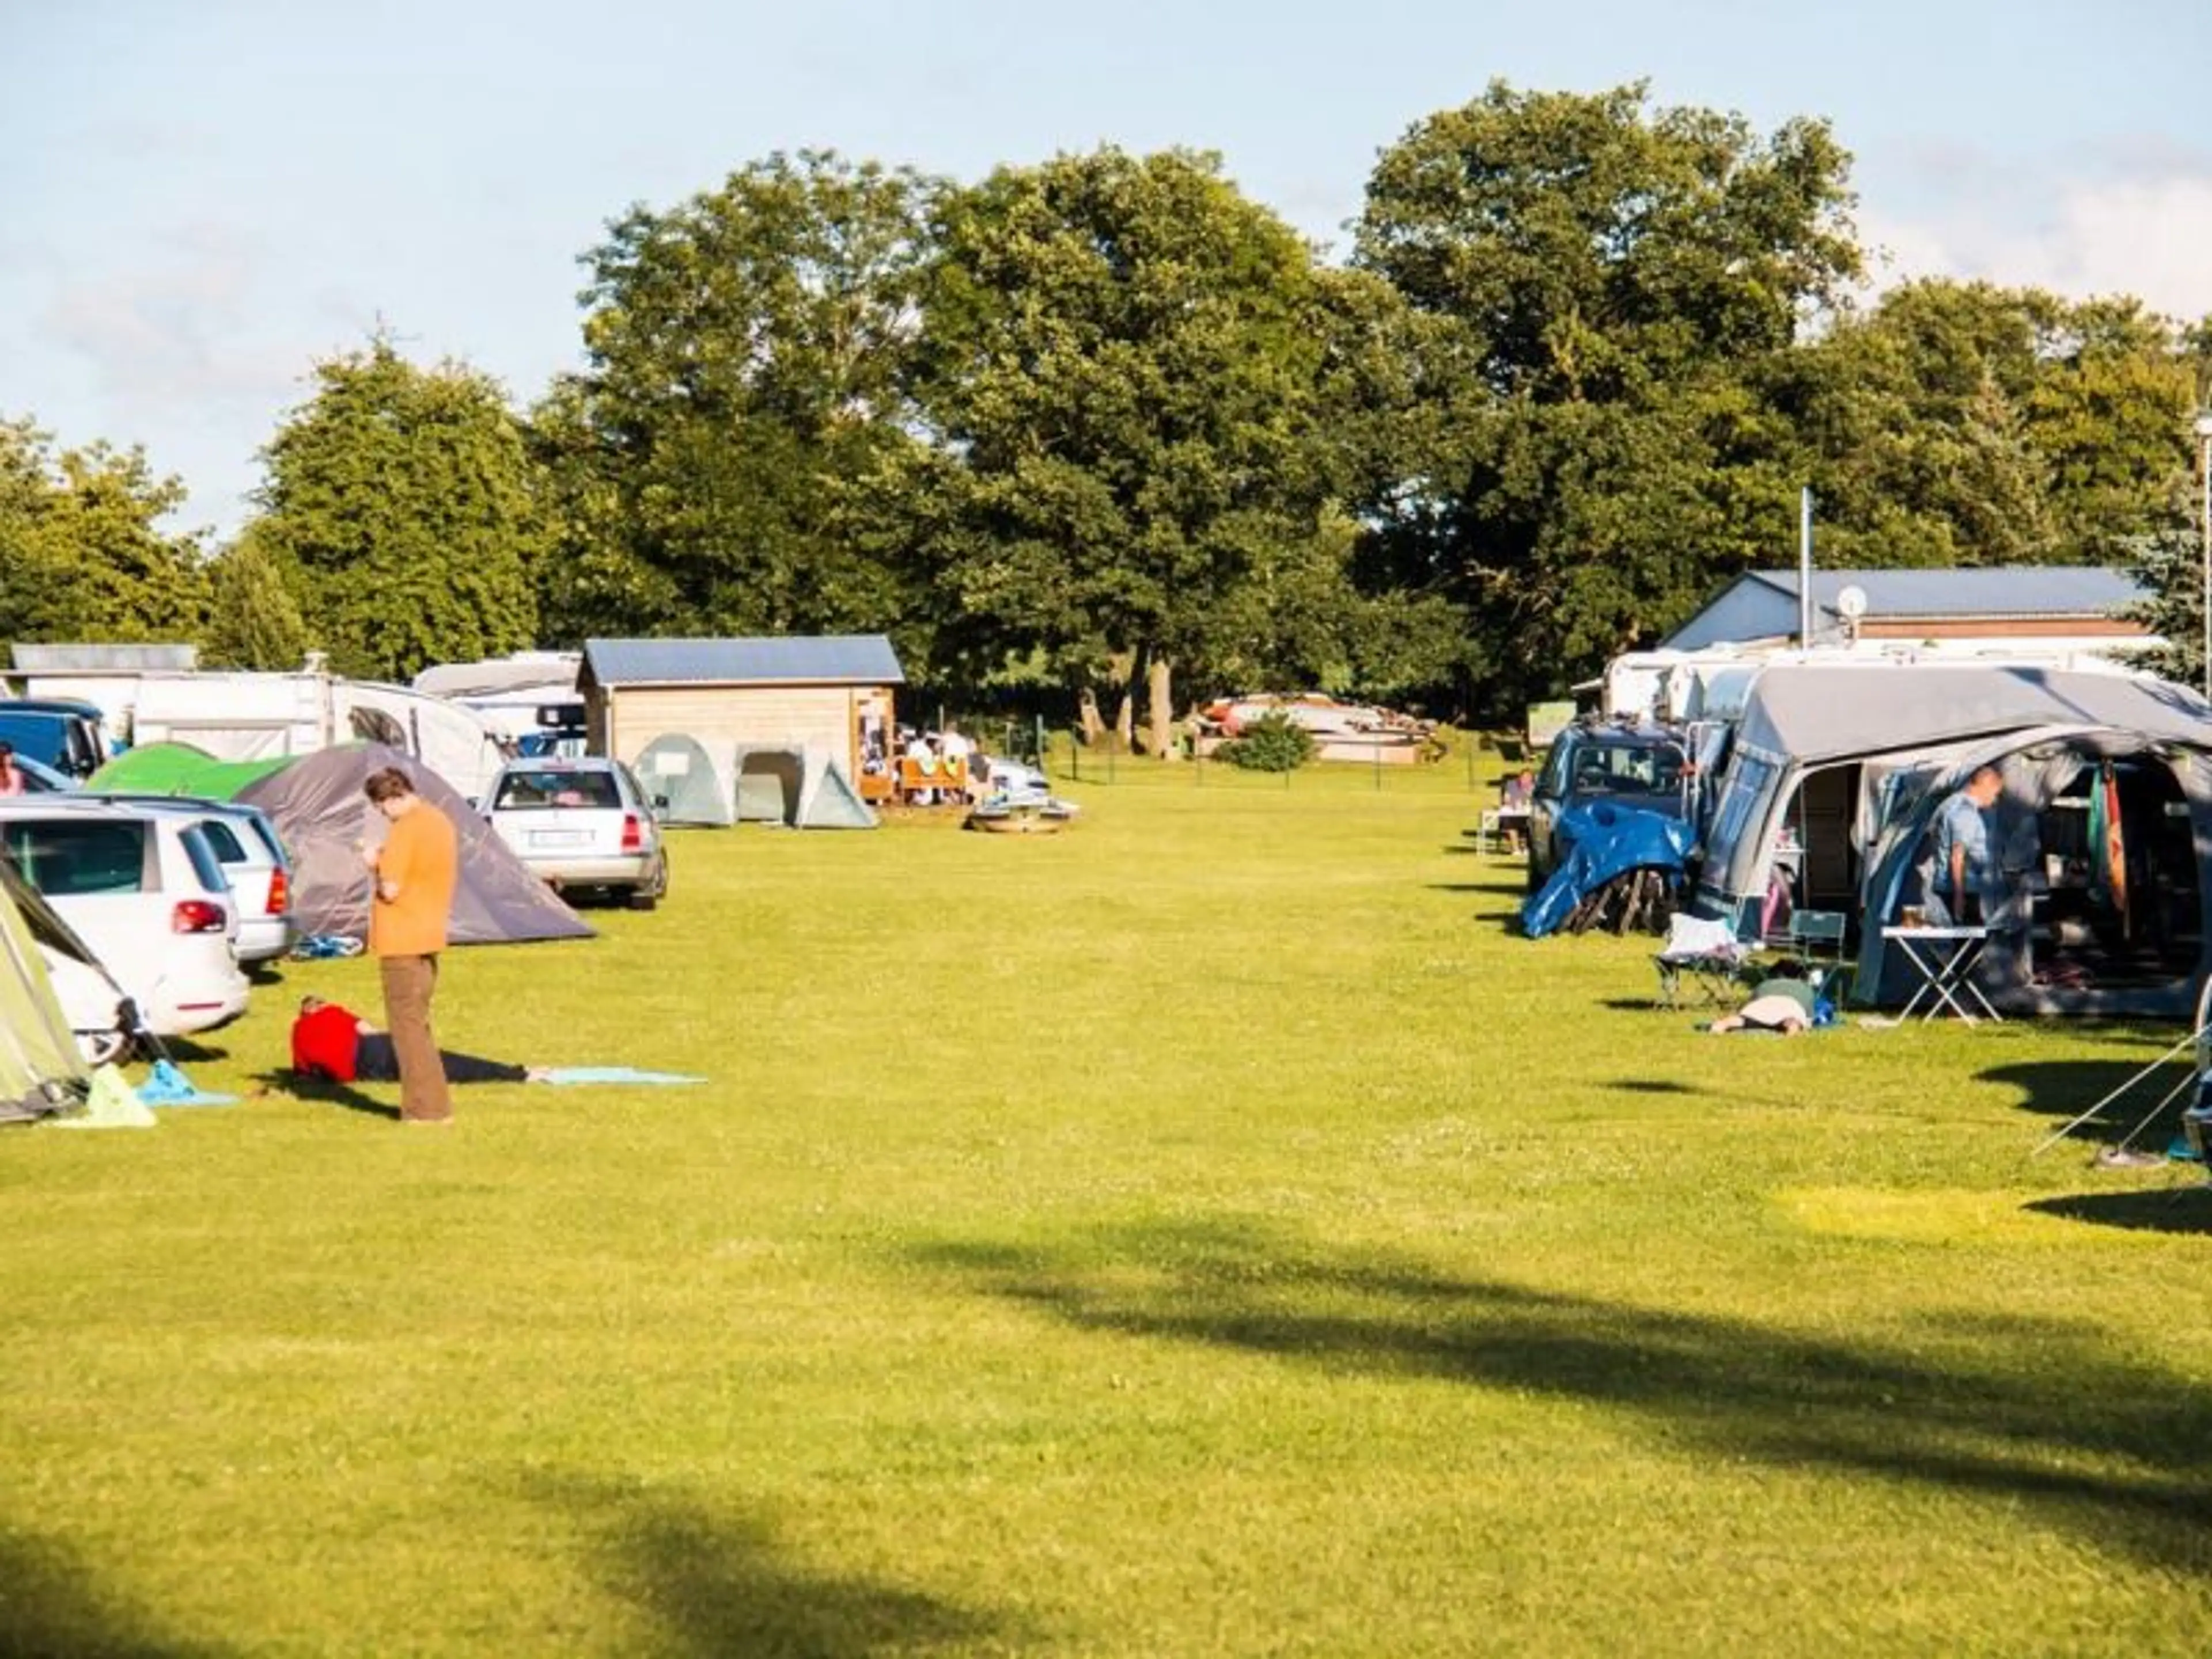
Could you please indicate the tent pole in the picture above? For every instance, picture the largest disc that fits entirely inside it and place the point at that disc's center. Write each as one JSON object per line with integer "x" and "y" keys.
{"x": 2068, "y": 1128}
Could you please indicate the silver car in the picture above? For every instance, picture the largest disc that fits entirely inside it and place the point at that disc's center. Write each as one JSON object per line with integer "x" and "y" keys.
{"x": 582, "y": 824}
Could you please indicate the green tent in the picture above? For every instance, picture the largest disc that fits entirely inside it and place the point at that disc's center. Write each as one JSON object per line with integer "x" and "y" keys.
{"x": 41, "y": 1071}
{"x": 178, "y": 769}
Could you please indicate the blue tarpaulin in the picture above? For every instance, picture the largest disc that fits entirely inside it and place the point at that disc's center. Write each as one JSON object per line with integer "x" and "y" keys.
{"x": 1604, "y": 841}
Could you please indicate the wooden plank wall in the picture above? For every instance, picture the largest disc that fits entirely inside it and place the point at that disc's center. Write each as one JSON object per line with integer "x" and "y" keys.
{"x": 817, "y": 715}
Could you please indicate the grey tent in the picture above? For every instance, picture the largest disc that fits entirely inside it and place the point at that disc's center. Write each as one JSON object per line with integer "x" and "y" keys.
{"x": 799, "y": 784}
{"x": 1838, "y": 771}
{"x": 676, "y": 769}
{"x": 41, "y": 1071}
{"x": 321, "y": 813}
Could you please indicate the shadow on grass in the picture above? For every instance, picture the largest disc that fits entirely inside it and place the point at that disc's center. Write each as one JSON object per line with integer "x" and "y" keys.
{"x": 719, "y": 1584}
{"x": 1653, "y": 1085}
{"x": 2180, "y": 1209}
{"x": 326, "y": 1093}
{"x": 2120, "y": 1453}
{"x": 50, "y": 1605}
{"x": 2067, "y": 1088}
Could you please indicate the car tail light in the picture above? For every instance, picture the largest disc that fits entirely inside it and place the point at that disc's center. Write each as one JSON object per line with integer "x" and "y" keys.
{"x": 633, "y": 833}
{"x": 280, "y": 893}
{"x": 198, "y": 916}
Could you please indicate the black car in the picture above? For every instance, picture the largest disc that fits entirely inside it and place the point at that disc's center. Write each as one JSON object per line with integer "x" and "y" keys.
{"x": 1646, "y": 766}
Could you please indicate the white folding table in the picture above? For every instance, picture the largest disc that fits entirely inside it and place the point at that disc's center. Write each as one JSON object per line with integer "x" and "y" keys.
{"x": 1944, "y": 959}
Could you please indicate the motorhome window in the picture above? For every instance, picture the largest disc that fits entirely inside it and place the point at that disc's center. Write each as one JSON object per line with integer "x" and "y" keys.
{"x": 1747, "y": 780}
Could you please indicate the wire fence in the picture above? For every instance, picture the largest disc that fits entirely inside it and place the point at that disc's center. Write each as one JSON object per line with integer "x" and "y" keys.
{"x": 1469, "y": 764}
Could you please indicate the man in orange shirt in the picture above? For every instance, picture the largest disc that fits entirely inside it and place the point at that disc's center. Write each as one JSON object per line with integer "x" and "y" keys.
{"x": 414, "y": 870}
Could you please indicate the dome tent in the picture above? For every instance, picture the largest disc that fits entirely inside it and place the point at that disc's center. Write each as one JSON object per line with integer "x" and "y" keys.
{"x": 676, "y": 769}
{"x": 319, "y": 811}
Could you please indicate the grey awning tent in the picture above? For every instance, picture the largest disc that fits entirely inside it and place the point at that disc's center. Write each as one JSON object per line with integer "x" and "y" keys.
{"x": 1883, "y": 745}
{"x": 1800, "y": 719}
{"x": 321, "y": 813}
{"x": 677, "y": 769}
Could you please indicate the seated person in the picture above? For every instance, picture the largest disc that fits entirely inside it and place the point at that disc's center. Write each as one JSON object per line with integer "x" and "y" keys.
{"x": 1517, "y": 791}
{"x": 338, "y": 1045}
{"x": 1782, "y": 1002}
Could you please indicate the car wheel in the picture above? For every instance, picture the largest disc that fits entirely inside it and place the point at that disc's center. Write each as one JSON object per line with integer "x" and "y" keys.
{"x": 645, "y": 898}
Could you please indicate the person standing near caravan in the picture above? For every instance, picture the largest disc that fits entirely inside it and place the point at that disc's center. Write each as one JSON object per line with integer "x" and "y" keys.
{"x": 1965, "y": 890}
{"x": 414, "y": 872}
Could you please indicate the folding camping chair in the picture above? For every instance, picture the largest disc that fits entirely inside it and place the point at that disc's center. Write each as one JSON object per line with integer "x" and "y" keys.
{"x": 1816, "y": 939}
{"x": 1703, "y": 962}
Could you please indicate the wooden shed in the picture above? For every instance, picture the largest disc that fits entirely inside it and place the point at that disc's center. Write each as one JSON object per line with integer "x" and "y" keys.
{"x": 831, "y": 693}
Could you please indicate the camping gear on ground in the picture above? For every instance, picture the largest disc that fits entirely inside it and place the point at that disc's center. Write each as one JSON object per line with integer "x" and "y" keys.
{"x": 572, "y": 1075}
{"x": 111, "y": 1103}
{"x": 167, "y": 1085}
{"x": 42, "y": 1071}
{"x": 317, "y": 806}
{"x": 1622, "y": 870}
{"x": 1702, "y": 960}
{"x": 1025, "y": 817}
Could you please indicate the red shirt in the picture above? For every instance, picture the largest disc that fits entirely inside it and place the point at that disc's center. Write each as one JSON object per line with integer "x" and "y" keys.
{"x": 325, "y": 1043}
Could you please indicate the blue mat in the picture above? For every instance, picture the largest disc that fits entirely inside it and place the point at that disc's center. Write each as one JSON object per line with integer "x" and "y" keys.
{"x": 574, "y": 1074}
{"x": 167, "y": 1086}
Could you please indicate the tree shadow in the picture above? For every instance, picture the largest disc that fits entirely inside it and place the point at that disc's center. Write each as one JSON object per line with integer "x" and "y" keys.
{"x": 324, "y": 1092}
{"x": 2067, "y": 1088}
{"x": 2183, "y": 1208}
{"x": 2119, "y": 1452}
{"x": 719, "y": 1584}
{"x": 50, "y": 1605}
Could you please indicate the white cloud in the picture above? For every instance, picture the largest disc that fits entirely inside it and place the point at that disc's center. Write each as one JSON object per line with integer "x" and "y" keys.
{"x": 2145, "y": 232}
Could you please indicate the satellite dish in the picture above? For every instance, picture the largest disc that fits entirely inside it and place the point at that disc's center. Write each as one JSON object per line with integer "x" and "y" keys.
{"x": 1851, "y": 604}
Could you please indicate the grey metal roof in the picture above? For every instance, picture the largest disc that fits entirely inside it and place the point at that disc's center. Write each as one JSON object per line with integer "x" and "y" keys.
{"x": 1763, "y": 603}
{"x": 105, "y": 659}
{"x": 831, "y": 659}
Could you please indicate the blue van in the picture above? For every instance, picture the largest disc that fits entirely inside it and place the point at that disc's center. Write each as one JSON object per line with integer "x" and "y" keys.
{"x": 61, "y": 732}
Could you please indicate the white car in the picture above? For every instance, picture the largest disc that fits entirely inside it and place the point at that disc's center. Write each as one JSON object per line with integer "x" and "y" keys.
{"x": 146, "y": 891}
{"x": 254, "y": 860}
{"x": 582, "y": 824}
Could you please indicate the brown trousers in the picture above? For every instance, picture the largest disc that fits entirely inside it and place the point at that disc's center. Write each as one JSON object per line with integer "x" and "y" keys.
{"x": 409, "y": 984}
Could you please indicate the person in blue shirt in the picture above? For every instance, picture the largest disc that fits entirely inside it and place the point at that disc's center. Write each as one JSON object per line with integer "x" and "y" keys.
{"x": 1965, "y": 889}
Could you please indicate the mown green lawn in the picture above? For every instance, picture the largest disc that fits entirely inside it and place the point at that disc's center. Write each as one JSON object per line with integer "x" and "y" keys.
{"x": 1209, "y": 1231}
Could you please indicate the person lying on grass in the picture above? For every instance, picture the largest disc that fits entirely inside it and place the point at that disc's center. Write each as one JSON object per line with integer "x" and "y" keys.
{"x": 336, "y": 1044}
{"x": 1781, "y": 1002}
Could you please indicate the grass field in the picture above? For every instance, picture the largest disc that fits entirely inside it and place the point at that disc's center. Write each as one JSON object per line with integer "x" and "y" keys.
{"x": 1209, "y": 1231}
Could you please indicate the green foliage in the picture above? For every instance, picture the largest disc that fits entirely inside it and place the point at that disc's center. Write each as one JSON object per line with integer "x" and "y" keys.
{"x": 1122, "y": 365}
{"x": 254, "y": 616}
{"x": 82, "y": 555}
{"x": 1274, "y": 743}
{"x": 714, "y": 465}
{"x": 406, "y": 502}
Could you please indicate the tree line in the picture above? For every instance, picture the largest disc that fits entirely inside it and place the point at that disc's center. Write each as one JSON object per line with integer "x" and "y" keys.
{"x": 1105, "y": 427}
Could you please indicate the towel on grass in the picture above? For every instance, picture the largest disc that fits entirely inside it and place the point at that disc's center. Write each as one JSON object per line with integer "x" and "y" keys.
{"x": 572, "y": 1074}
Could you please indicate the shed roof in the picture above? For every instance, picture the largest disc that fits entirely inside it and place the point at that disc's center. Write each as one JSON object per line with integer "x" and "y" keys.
{"x": 1763, "y": 603}
{"x": 824, "y": 659}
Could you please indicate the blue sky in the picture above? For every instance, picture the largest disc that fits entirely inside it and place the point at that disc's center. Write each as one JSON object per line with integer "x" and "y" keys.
{"x": 200, "y": 198}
